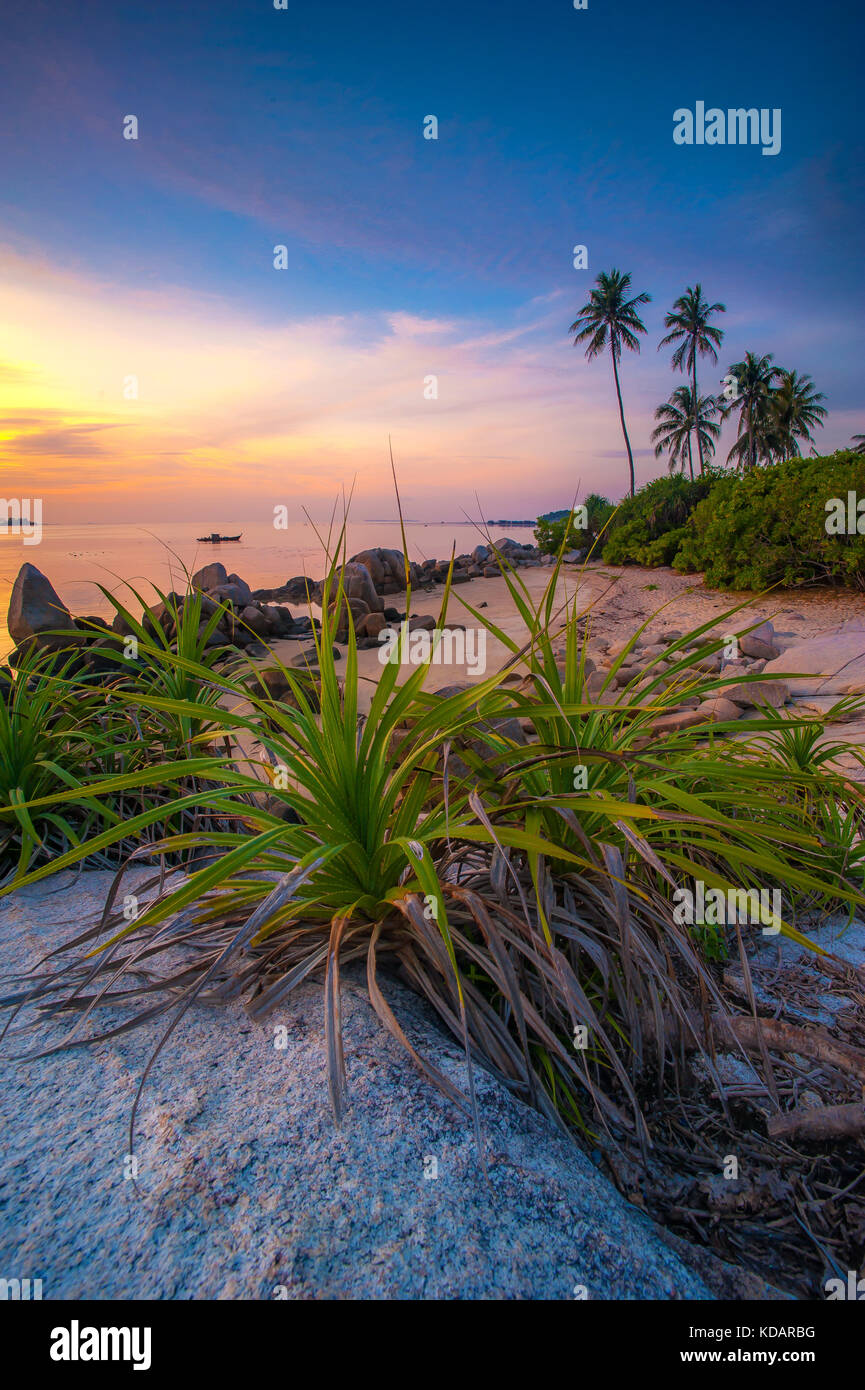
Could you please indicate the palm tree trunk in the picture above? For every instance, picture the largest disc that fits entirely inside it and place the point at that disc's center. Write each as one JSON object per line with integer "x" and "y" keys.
{"x": 622, "y": 412}
{"x": 696, "y": 423}
{"x": 690, "y": 460}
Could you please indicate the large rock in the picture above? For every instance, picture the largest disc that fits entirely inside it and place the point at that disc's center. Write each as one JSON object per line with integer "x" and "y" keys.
{"x": 717, "y": 709}
{"x": 216, "y": 638}
{"x": 373, "y": 562}
{"x": 256, "y": 620}
{"x": 343, "y": 610}
{"x": 282, "y": 622}
{"x": 248, "y": 1189}
{"x": 387, "y": 569}
{"x": 831, "y": 664}
{"x": 760, "y": 643}
{"x": 229, "y": 593}
{"x": 161, "y": 615}
{"x": 280, "y": 689}
{"x": 210, "y": 577}
{"x": 822, "y": 706}
{"x": 242, "y": 585}
{"x": 297, "y": 590}
{"x": 357, "y": 583}
{"x": 36, "y": 607}
{"x": 394, "y": 561}
{"x": 762, "y": 692}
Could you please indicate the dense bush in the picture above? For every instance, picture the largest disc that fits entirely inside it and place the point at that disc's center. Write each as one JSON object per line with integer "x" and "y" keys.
{"x": 769, "y": 527}
{"x": 648, "y": 527}
{"x": 550, "y": 534}
{"x": 747, "y": 531}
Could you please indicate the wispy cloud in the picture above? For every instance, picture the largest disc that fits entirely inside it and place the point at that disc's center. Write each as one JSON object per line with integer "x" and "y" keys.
{"x": 76, "y": 441}
{"x": 258, "y": 410}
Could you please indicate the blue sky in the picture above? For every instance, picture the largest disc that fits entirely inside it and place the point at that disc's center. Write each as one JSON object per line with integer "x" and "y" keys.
{"x": 304, "y": 127}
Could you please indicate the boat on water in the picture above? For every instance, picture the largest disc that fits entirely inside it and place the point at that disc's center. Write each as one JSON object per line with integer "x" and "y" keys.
{"x": 215, "y": 539}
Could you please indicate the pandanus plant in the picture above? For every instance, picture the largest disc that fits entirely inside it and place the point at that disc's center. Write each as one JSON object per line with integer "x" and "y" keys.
{"x": 533, "y": 910}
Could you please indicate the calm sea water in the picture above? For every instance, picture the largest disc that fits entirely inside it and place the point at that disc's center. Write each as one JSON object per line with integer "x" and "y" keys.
{"x": 79, "y": 558}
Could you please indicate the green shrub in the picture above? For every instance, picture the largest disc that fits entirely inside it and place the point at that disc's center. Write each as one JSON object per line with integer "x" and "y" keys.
{"x": 769, "y": 527}
{"x": 647, "y": 528}
{"x": 565, "y": 531}
{"x": 631, "y": 545}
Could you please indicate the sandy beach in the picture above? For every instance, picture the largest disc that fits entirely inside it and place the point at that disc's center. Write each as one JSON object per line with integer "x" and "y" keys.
{"x": 618, "y": 601}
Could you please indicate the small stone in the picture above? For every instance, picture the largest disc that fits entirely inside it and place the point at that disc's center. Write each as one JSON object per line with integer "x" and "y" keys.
{"x": 373, "y": 624}
{"x": 305, "y": 660}
{"x": 719, "y": 710}
{"x": 677, "y": 721}
{"x": 615, "y": 650}
{"x": 774, "y": 693}
{"x": 755, "y": 646}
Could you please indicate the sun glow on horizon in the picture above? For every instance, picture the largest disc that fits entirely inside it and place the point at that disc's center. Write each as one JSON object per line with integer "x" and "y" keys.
{"x": 301, "y": 407}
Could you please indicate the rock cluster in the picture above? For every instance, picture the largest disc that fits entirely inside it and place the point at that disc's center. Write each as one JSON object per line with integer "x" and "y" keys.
{"x": 645, "y": 664}
{"x": 250, "y": 618}
{"x": 38, "y": 616}
{"x": 374, "y": 575}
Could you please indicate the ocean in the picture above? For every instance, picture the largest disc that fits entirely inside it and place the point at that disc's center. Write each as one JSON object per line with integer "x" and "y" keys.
{"x": 77, "y": 559}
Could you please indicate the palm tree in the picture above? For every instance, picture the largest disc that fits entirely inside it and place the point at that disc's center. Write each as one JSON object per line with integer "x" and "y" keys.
{"x": 609, "y": 316}
{"x": 755, "y": 378}
{"x": 796, "y": 411}
{"x": 678, "y": 417}
{"x": 689, "y": 326}
{"x": 858, "y": 442}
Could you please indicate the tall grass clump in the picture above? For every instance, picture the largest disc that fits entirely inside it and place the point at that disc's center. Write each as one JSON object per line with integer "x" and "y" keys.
{"x": 532, "y": 907}
{"x": 55, "y": 738}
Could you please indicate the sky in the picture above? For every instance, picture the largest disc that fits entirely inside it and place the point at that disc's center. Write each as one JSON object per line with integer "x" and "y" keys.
{"x": 152, "y": 356}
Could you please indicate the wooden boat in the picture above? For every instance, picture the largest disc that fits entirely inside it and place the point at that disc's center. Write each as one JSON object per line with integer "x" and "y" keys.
{"x": 214, "y": 538}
